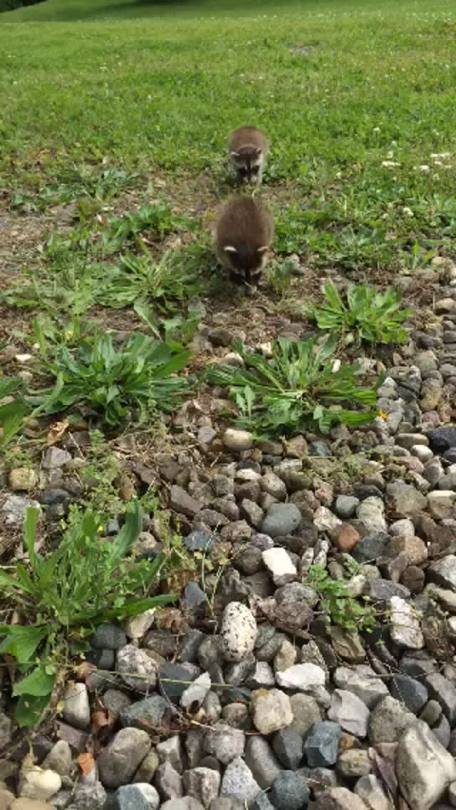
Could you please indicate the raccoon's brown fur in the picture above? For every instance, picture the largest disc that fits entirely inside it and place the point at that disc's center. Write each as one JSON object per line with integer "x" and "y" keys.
{"x": 244, "y": 233}
{"x": 248, "y": 148}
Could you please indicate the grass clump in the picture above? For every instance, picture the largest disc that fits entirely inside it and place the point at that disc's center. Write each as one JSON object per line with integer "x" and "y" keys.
{"x": 363, "y": 313}
{"x": 64, "y": 595}
{"x": 157, "y": 220}
{"x": 301, "y": 386}
{"x": 337, "y": 603}
{"x": 117, "y": 384}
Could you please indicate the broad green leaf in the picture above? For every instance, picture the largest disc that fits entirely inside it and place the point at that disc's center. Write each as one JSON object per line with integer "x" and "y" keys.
{"x": 38, "y": 684}
{"x": 22, "y": 642}
{"x": 29, "y": 710}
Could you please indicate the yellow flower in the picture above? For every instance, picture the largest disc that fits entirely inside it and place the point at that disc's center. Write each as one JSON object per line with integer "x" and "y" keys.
{"x": 383, "y": 415}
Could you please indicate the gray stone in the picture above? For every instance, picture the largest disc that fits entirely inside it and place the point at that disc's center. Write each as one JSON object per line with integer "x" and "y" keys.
{"x": 271, "y": 710}
{"x": 115, "y": 702}
{"x": 381, "y": 590}
{"x": 363, "y": 682}
{"x": 15, "y": 507}
{"x": 261, "y": 761}
{"x": 405, "y": 500}
{"x": 238, "y": 782}
{"x": 281, "y": 519}
{"x": 147, "y": 713}
{"x": 136, "y": 797}
{"x": 262, "y": 676}
{"x": 148, "y": 767}
{"x": 262, "y": 803}
{"x": 289, "y": 792}
{"x": 288, "y": 747}
{"x": 183, "y": 503}
{"x": 339, "y": 798}
{"x": 321, "y": 746}
{"x": 168, "y": 782}
{"x": 273, "y": 485}
{"x": 5, "y": 730}
{"x": 187, "y": 803}
{"x": 371, "y": 547}
{"x": 54, "y": 457}
{"x": 370, "y": 790}
{"x": 442, "y": 503}
{"x": 238, "y": 631}
{"x": 137, "y": 670}
{"x": 409, "y": 691}
{"x": 170, "y": 750}
{"x": 443, "y": 572}
{"x": 223, "y": 803}
{"x": 371, "y": 513}
{"x": 108, "y": 637}
{"x": 88, "y": 797}
{"x": 225, "y": 743}
{"x": 424, "y": 769}
{"x": 306, "y": 713}
{"x": 118, "y": 762}
{"x": 59, "y": 758}
{"x": 442, "y": 690}
{"x": 346, "y": 506}
{"x": 203, "y": 784}
{"x": 349, "y": 712}
{"x": 347, "y": 644}
{"x": 174, "y": 679}
{"x": 388, "y": 721}
{"x": 76, "y": 708}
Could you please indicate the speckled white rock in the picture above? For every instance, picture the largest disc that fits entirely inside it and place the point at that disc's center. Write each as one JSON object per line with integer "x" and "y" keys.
{"x": 405, "y": 626}
{"x": 280, "y": 565}
{"x": 271, "y": 710}
{"x": 238, "y": 631}
{"x": 301, "y": 676}
{"x": 138, "y": 626}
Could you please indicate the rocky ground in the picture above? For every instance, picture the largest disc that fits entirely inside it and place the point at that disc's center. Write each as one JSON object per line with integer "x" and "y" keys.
{"x": 243, "y": 695}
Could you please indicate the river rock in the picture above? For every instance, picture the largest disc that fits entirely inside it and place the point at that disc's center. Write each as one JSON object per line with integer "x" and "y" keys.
{"x": 271, "y": 710}
{"x": 424, "y": 769}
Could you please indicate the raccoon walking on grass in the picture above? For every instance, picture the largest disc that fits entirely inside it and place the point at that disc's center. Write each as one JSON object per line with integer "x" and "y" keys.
{"x": 248, "y": 149}
{"x": 244, "y": 234}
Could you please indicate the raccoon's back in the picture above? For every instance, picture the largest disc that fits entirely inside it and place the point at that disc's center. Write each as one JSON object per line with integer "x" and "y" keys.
{"x": 248, "y": 136}
{"x": 244, "y": 222}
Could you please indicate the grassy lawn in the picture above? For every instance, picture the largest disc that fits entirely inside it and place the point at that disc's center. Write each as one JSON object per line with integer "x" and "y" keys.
{"x": 376, "y": 85}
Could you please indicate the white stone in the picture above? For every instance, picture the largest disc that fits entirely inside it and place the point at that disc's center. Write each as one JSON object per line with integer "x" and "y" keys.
{"x": 138, "y": 626}
{"x": 280, "y": 565}
{"x": 405, "y": 626}
{"x": 39, "y": 784}
{"x": 238, "y": 631}
{"x": 76, "y": 708}
{"x": 402, "y": 528}
{"x": 301, "y": 676}
{"x": 371, "y": 513}
{"x": 238, "y": 782}
{"x": 197, "y": 691}
{"x": 424, "y": 768}
{"x": 326, "y": 521}
{"x": 442, "y": 503}
{"x": 422, "y": 452}
{"x": 237, "y": 440}
{"x": 271, "y": 710}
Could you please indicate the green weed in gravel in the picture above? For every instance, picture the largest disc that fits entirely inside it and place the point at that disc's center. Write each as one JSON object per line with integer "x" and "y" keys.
{"x": 117, "y": 383}
{"x": 362, "y": 313}
{"x": 301, "y": 386}
{"x": 60, "y": 598}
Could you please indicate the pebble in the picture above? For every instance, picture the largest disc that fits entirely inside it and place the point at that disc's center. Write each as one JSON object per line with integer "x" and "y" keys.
{"x": 349, "y": 712}
{"x": 370, "y": 790}
{"x": 203, "y": 784}
{"x": 22, "y": 479}
{"x": 281, "y": 519}
{"x": 39, "y": 783}
{"x": 346, "y": 506}
{"x": 301, "y": 676}
{"x": 118, "y": 762}
{"x": 238, "y": 631}
{"x": 279, "y": 564}
{"x": 237, "y": 440}
{"x": 225, "y": 743}
{"x": 137, "y": 670}
{"x": 183, "y": 503}
{"x": 136, "y": 797}
{"x": 187, "y": 803}
{"x": 30, "y": 804}
{"x": 76, "y": 708}
{"x": 289, "y": 791}
{"x": 170, "y": 750}
{"x": 405, "y": 626}
{"x": 195, "y": 694}
{"x": 138, "y": 626}
{"x": 145, "y": 713}
{"x": 288, "y": 747}
{"x": 388, "y": 720}
{"x": 59, "y": 758}
{"x": 55, "y": 457}
{"x": 108, "y": 637}
{"x": 261, "y": 761}
{"x": 321, "y": 746}
{"x": 371, "y": 513}
{"x": 326, "y": 521}
{"x": 354, "y": 762}
{"x": 238, "y": 782}
{"x": 273, "y": 485}
{"x": 442, "y": 504}
{"x": 409, "y": 691}
{"x": 271, "y": 710}
{"x": 306, "y": 713}
{"x": 347, "y": 538}
{"x": 339, "y": 798}
{"x": 424, "y": 769}
{"x": 442, "y": 690}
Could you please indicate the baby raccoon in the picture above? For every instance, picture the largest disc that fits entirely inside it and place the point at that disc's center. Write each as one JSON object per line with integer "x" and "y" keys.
{"x": 244, "y": 234}
{"x": 248, "y": 148}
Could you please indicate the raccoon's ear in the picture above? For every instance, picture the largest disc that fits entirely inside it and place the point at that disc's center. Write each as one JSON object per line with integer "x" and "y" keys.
{"x": 263, "y": 249}
{"x": 229, "y": 249}
{"x": 235, "y": 154}
{"x": 258, "y": 151}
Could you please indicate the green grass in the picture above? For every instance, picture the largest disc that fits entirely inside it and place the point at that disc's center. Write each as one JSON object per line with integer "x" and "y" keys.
{"x": 162, "y": 94}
